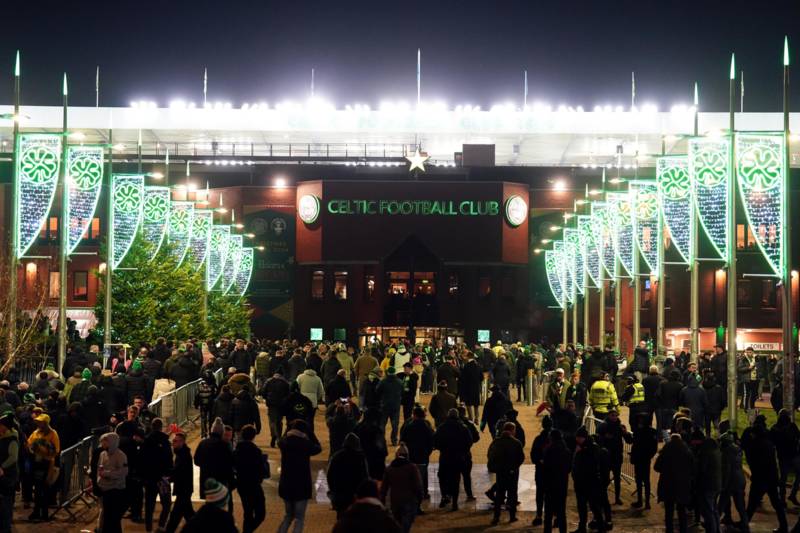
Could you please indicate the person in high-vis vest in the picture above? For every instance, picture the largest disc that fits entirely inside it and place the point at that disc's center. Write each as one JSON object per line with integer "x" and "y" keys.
{"x": 633, "y": 397}
{"x": 603, "y": 396}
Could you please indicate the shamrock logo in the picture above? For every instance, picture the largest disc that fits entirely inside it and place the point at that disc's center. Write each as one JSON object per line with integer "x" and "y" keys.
{"x": 624, "y": 213}
{"x": 200, "y": 225}
{"x": 39, "y": 165}
{"x": 179, "y": 222}
{"x": 128, "y": 198}
{"x": 156, "y": 207}
{"x": 216, "y": 239}
{"x": 85, "y": 172}
{"x": 760, "y": 167}
{"x": 674, "y": 182}
{"x": 646, "y": 204}
{"x": 709, "y": 167}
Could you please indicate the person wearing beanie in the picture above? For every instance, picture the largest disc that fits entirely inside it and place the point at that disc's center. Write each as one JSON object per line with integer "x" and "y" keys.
{"x": 453, "y": 441}
{"x": 212, "y": 516}
{"x": 367, "y": 514}
{"x": 251, "y": 472}
{"x": 403, "y": 484}
{"x": 505, "y": 456}
{"x": 346, "y": 470}
{"x": 538, "y": 448}
{"x": 79, "y": 391}
{"x": 417, "y": 434}
{"x": 136, "y": 384}
{"x": 214, "y": 456}
{"x": 297, "y": 447}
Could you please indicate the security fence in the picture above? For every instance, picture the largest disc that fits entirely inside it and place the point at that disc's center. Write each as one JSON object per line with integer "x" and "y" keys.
{"x": 74, "y": 484}
{"x": 176, "y": 406}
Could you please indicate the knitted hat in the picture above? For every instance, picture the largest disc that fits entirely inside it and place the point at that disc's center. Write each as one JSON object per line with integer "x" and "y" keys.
{"x": 86, "y": 374}
{"x": 390, "y": 370}
{"x": 137, "y": 365}
{"x": 216, "y": 492}
{"x": 218, "y": 426}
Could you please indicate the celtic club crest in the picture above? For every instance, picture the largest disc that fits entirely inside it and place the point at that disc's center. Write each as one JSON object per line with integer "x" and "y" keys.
{"x": 646, "y": 204}
{"x": 675, "y": 182}
{"x": 180, "y": 222}
{"x": 247, "y": 262}
{"x": 155, "y": 208}
{"x": 200, "y": 225}
{"x": 85, "y": 172}
{"x": 39, "y": 165}
{"x": 216, "y": 239}
{"x": 760, "y": 167}
{"x": 624, "y": 213}
{"x": 128, "y": 198}
{"x": 710, "y": 167}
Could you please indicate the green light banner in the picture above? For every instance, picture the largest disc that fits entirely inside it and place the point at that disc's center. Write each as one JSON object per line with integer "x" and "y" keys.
{"x": 601, "y": 226}
{"x": 181, "y": 219}
{"x": 760, "y": 172}
{"x": 562, "y": 263}
{"x": 231, "y": 266}
{"x": 200, "y": 237}
{"x": 675, "y": 197}
{"x": 709, "y": 172}
{"x": 85, "y": 178}
{"x": 553, "y": 277}
{"x": 126, "y": 213}
{"x": 155, "y": 216}
{"x": 591, "y": 255}
{"x": 576, "y": 257}
{"x": 622, "y": 230}
{"x": 645, "y": 222}
{"x": 217, "y": 252}
{"x": 243, "y": 273}
{"x": 38, "y": 156}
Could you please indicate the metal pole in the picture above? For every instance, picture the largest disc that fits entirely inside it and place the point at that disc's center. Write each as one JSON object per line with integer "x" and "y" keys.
{"x": 109, "y": 243}
{"x": 786, "y": 244}
{"x": 731, "y": 280}
{"x": 586, "y": 302}
{"x": 575, "y": 320}
{"x": 63, "y": 233}
{"x": 661, "y": 289}
{"x": 694, "y": 265}
{"x": 14, "y": 240}
{"x": 617, "y": 304}
{"x": 601, "y": 315}
{"x": 565, "y": 323}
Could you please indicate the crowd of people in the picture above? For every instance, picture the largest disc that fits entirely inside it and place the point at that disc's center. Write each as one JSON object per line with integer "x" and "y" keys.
{"x": 372, "y": 404}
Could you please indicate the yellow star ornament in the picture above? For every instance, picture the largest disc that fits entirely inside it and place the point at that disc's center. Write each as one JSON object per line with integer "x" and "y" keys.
{"x": 417, "y": 161}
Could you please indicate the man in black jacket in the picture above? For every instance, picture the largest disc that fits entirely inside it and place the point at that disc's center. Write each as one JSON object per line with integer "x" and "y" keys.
{"x": 669, "y": 393}
{"x": 183, "y": 485}
{"x": 590, "y": 479}
{"x": 240, "y": 358}
{"x": 651, "y": 384}
{"x": 540, "y": 444}
{"x": 417, "y": 433}
{"x": 250, "y": 473}
{"x": 275, "y": 392}
{"x": 215, "y": 458}
{"x": 156, "y": 466}
{"x": 505, "y": 456}
{"x": 556, "y": 464}
{"x": 452, "y": 440}
{"x": 610, "y": 436}
{"x": 244, "y": 411}
{"x": 410, "y": 380}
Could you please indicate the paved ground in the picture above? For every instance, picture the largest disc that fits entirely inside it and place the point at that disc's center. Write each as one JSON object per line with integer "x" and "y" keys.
{"x": 472, "y": 517}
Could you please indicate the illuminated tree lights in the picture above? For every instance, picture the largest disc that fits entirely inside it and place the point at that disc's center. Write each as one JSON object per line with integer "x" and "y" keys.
{"x": 553, "y": 277}
{"x": 200, "y": 238}
{"x": 709, "y": 162}
{"x": 644, "y": 195}
{"x": 181, "y": 219}
{"x": 576, "y": 253}
{"x": 231, "y": 266}
{"x": 674, "y": 189}
{"x": 218, "y": 251}
{"x": 85, "y": 178}
{"x": 562, "y": 262}
{"x": 155, "y": 216}
{"x": 591, "y": 255}
{"x": 622, "y": 230}
{"x": 760, "y": 172}
{"x": 126, "y": 213}
{"x": 243, "y": 273}
{"x": 38, "y": 158}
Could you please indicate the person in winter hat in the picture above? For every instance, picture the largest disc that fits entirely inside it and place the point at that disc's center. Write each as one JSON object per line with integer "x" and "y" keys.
{"x": 213, "y": 515}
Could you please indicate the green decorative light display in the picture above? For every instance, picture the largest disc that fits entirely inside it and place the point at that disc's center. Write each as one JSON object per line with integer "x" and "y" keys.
{"x": 622, "y": 230}
{"x": 201, "y": 236}
{"x": 591, "y": 255}
{"x": 231, "y": 266}
{"x": 562, "y": 262}
{"x": 37, "y": 158}
{"x": 601, "y": 226}
{"x": 644, "y": 196}
{"x": 553, "y": 277}
{"x": 181, "y": 217}
{"x": 760, "y": 171}
{"x": 576, "y": 250}
{"x": 217, "y": 252}
{"x": 243, "y": 273}
{"x": 709, "y": 171}
{"x": 155, "y": 216}
{"x": 85, "y": 178}
{"x": 126, "y": 213}
{"x": 675, "y": 198}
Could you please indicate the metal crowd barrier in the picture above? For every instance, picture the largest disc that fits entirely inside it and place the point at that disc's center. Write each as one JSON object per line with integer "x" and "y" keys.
{"x": 175, "y": 406}
{"x": 74, "y": 481}
{"x": 591, "y": 423}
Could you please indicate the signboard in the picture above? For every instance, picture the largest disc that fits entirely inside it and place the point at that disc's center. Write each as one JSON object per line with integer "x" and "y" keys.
{"x": 484, "y": 335}
{"x": 315, "y": 334}
{"x": 415, "y": 207}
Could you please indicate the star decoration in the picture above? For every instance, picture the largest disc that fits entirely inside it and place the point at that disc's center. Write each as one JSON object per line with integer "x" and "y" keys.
{"x": 417, "y": 161}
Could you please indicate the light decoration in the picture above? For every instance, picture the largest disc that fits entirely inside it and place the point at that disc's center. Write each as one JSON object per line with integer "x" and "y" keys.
{"x": 217, "y": 253}
{"x": 181, "y": 218}
{"x": 760, "y": 172}
{"x": 619, "y": 204}
{"x": 231, "y": 266}
{"x": 155, "y": 216}
{"x": 126, "y": 213}
{"x": 562, "y": 261}
{"x": 576, "y": 257}
{"x": 553, "y": 277}
{"x": 709, "y": 171}
{"x": 675, "y": 197}
{"x": 645, "y": 222}
{"x": 591, "y": 255}
{"x": 200, "y": 237}
{"x": 243, "y": 273}
{"x": 601, "y": 227}
{"x": 38, "y": 156}
{"x": 85, "y": 178}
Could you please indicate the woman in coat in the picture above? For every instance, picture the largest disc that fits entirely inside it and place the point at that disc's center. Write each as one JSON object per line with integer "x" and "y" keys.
{"x": 675, "y": 464}
{"x": 470, "y": 387}
{"x": 297, "y": 446}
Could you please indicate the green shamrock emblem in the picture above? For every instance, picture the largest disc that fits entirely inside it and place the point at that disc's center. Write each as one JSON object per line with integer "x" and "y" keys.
{"x": 128, "y": 198}
{"x": 760, "y": 167}
{"x": 39, "y": 165}
{"x": 85, "y": 172}
{"x": 675, "y": 182}
{"x": 180, "y": 221}
{"x": 710, "y": 167}
{"x": 156, "y": 207}
{"x": 646, "y": 204}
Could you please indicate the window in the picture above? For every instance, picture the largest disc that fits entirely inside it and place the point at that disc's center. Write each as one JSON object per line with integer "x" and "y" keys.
{"x": 340, "y": 334}
{"x": 424, "y": 284}
{"x": 484, "y": 287}
{"x": 745, "y": 237}
{"x": 93, "y": 231}
{"x": 49, "y": 229}
{"x": 769, "y": 296}
{"x": 55, "y": 285}
{"x": 452, "y": 286}
{"x": 744, "y": 293}
{"x": 80, "y": 286}
{"x": 647, "y": 294}
{"x": 340, "y": 285}
{"x": 369, "y": 287}
{"x": 317, "y": 285}
{"x": 398, "y": 283}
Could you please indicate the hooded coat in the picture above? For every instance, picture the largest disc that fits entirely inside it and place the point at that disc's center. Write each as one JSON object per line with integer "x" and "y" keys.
{"x": 470, "y": 383}
{"x": 694, "y": 397}
{"x": 311, "y": 386}
{"x": 297, "y": 448}
{"x": 112, "y": 465}
{"x": 675, "y": 464}
{"x": 346, "y": 470}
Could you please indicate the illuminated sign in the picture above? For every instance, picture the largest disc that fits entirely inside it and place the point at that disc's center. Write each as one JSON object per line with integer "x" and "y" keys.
{"x": 414, "y": 207}
{"x": 483, "y": 335}
{"x": 308, "y": 208}
{"x": 315, "y": 334}
{"x": 516, "y": 210}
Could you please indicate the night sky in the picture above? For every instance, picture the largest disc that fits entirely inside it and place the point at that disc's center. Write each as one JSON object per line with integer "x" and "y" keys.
{"x": 576, "y": 53}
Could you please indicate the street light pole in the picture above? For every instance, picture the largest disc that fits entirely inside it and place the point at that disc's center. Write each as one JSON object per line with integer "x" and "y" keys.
{"x": 786, "y": 243}
{"x": 63, "y": 234}
{"x": 694, "y": 297}
{"x": 13, "y": 260}
{"x": 731, "y": 279}
{"x": 109, "y": 242}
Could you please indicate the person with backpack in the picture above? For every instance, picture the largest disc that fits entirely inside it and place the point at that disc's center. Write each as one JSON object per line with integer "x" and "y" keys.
{"x": 204, "y": 401}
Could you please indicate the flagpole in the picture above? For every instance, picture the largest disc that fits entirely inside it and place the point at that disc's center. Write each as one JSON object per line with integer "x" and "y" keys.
{"x": 63, "y": 233}
{"x": 661, "y": 289}
{"x": 14, "y": 240}
{"x": 97, "y": 87}
{"x": 731, "y": 244}
{"x": 419, "y": 76}
{"x": 601, "y": 315}
{"x": 637, "y": 280}
{"x": 205, "y": 86}
{"x": 109, "y": 243}
{"x": 525, "y": 91}
{"x": 139, "y": 152}
{"x": 786, "y": 242}
{"x": 586, "y": 292}
{"x": 694, "y": 296}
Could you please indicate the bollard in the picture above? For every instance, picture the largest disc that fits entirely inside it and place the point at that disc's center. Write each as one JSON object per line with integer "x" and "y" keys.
{"x": 435, "y": 387}
{"x": 484, "y": 388}
{"x": 529, "y": 387}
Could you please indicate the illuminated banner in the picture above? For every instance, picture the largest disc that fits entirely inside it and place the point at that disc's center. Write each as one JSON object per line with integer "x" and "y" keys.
{"x": 562, "y": 262}
{"x": 231, "y": 267}
{"x": 217, "y": 252}
{"x": 38, "y": 159}
{"x": 760, "y": 171}
{"x": 709, "y": 171}
{"x": 576, "y": 257}
{"x": 591, "y": 255}
{"x": 155, "y": 216}
{"x": 85, "y": 178}
{"x": 619, "y": 204}
{"x": 243, "y": 273}
{"x": 181, "y": 219}
{"x": 126, "y": 213}
{"x": 645, "y": 222}
{"x": 601, "y": 227}
{"x": 415, "y": 207}
{"x": 553, "y": 279}
{"x": 674, "y": 190}
{"x": 200, "y": 238}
